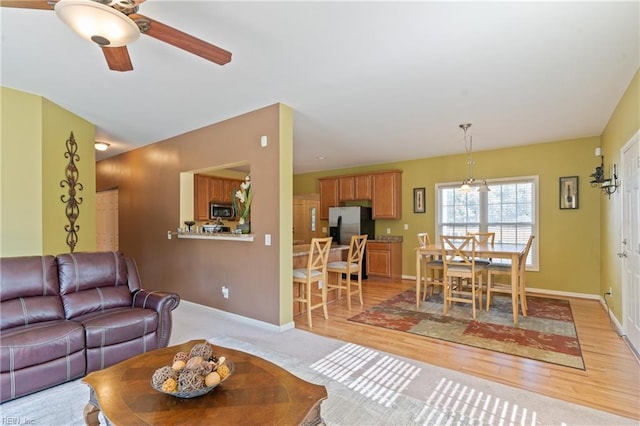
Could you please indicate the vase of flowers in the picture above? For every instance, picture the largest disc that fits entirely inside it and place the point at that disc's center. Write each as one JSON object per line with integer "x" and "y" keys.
{"x": 242, "y": 205}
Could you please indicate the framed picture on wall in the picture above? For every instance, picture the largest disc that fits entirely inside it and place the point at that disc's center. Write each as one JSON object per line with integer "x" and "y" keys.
{"x": 418, "y": 200}
{"x": 569, "y": 192}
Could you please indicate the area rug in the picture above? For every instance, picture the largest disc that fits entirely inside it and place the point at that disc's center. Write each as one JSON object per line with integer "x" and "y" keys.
{"x": 547, "y": 334}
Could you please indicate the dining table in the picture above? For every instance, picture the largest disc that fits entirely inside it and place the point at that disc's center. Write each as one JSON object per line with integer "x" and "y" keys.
{"x": 497, "y": 250}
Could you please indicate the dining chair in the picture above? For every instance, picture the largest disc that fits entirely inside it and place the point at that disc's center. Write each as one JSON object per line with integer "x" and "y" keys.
{"x": 315, "y": 272}
{"x": 483, "y": 238}
{"x": 344, "y": 270}
{"x": 505, "y": 269}
{"x": 458, "y": 259}
{"x": 431, "y": 267}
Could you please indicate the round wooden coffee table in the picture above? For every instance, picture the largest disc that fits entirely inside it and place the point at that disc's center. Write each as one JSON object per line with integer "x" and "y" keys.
{"x": 259, "y": 392}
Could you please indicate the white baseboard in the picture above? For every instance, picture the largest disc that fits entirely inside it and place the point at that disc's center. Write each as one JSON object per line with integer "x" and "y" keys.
{"x": 563, "y": 293}
{"x": 235, "y": 317}
{"x": 614, "y": 320}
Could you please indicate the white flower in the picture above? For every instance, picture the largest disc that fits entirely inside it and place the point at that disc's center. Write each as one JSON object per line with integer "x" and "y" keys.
{"x": 240, "y": 196}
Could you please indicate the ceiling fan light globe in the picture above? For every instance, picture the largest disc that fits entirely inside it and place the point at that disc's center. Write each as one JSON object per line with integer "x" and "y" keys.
{"x": 95, "y": 21}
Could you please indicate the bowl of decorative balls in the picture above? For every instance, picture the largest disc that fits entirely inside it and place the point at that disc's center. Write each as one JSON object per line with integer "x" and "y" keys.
{"x": 192, "y": 374}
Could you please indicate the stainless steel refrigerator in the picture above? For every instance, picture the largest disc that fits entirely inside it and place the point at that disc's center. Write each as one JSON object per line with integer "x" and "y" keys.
{"x": 347, "y": 221}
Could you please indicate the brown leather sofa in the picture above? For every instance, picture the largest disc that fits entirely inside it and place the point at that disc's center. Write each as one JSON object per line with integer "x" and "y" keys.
{"x": 63, "y": 317}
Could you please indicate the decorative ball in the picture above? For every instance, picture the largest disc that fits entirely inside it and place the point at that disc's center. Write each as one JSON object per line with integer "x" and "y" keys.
{"x": 212, "y": 379}
{"x": 190, "y": 380}
{"x": 203, "y": 350}
{"x": 170, "y": 385}
{"x": 204, "y": 368}
{"x": 223, "y": 371}
{"x": 162, "y": 374}
{"x": 181, "y": 356}
{"x": 178, "y": 365}
{"x": 194, "y": 362}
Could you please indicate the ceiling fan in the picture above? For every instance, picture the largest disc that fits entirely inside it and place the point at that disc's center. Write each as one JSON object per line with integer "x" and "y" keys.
{"x": 116, "y": 23}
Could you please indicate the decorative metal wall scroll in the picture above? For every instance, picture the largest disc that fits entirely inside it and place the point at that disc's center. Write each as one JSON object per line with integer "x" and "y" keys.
{"x": 72, "y": 209}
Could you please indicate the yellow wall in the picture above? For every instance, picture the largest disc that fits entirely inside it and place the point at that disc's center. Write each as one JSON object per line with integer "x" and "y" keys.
{"x": 623, "y": 124}
{"x": 569, "y": 256}
{"x": 286, "y": 212}
{"x": 34, "y": 134}
{"x": 20, "y": 177}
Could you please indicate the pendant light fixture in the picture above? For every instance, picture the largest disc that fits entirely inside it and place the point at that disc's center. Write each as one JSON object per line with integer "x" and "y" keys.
{"x": 468, "y": 147}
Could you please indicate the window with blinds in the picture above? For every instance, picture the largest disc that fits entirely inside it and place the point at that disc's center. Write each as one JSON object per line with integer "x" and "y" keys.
{"x": 509, "y": 209}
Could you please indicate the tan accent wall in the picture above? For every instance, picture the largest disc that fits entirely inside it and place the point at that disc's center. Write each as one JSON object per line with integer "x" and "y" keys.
{"x": 32, "y": 147}
{"x": 148, "y": 182}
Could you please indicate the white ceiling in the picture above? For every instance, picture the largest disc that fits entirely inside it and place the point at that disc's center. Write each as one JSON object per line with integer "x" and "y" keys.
{"x": 370, "y": 82}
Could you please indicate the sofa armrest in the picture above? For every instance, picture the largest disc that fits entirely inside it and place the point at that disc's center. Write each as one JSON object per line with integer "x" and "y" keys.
{"x": 161, "y": 302}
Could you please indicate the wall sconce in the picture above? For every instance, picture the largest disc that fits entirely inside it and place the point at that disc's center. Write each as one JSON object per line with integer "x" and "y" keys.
{"x": 607, "y": 185}
{"x": 101, "y": 146}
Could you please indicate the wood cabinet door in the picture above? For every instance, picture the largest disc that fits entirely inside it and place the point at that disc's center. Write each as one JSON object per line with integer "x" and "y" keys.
{"x": 201, "y": 197}
{"x": 378, "y": 259}
{"x": 362, "y": 187}
{"x": 216, "y": 190}
{"x": 386, "y": 195}
{"x": 229, "y": 188}
{"x": 346, "y": 188}
{"x": 328, "y": 196}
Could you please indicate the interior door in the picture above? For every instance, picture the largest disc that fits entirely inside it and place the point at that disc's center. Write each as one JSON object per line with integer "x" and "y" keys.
{"x": 107, "y": 237}
{"x": 630, "y": 253}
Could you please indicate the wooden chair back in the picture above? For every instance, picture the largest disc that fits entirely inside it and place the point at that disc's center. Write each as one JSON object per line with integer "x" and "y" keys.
{"x": 423, "y": 239}
{"x": 458, "y": 251}
{"x": 356, "y": 249}
{"x": 522, "y": 258}
{"x": 483, "y": 237}
{"x": 319, "y": 255}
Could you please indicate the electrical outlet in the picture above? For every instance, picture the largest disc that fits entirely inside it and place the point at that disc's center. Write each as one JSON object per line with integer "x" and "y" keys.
{"x": 225, "y": 292}
{"x": 610, "y": 292}
{"x": 388, "y": 230}
{"x": 406, "y": 226}
{"x": 168, "y": 235}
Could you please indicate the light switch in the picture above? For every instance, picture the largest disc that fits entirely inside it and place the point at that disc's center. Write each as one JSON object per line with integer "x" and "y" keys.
{"x": 263, "y": 141}
{"x": 267, "y": 239}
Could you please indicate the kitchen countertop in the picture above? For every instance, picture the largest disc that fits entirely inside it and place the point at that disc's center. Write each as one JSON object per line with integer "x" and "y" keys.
{"x": 303, "y": 249}
{"x": 388, "y": 239}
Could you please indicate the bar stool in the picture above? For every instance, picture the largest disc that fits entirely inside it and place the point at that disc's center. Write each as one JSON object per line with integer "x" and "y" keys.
{"x": 315, "y": 272}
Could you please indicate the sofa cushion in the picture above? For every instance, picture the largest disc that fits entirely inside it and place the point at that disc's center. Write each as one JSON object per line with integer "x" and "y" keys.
{"x": 29, "y": 291}
{"x": 34, "y": 344}
{"x": 93, "y": 282}
{"x": 117, "y": 325}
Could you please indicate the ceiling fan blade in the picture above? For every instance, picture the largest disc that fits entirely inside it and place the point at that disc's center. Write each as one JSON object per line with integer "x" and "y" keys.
{"x": 117, "y": 58}
{"x": 183, "y": 41}
{"x": 28, "y": 4}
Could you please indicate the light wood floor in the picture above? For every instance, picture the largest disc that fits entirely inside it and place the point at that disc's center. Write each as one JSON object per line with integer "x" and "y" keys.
{"x": 610, "y": 383}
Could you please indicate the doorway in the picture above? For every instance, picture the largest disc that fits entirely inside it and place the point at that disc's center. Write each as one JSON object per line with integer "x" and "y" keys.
{"x": 107, "y": 220}
{"x": 630, "y": 239}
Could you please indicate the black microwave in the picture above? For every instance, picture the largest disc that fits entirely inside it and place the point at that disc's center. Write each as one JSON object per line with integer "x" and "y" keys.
{"x": 224, "y": 211}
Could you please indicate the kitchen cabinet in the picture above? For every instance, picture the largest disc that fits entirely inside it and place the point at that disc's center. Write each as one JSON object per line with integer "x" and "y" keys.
{"x": 329, "y": 192}
{"x": 346, "y": 188}
{"x": 210, "y": 189}
{"x": 384, "y": 259}
{"x": 355, "y": 188}
{"x": 229, "y": 188}
{"x": 384, "y": 189}
{"x": 387, "y": 195}
{"x": 201, "y": 197}
{"x": 362, "y": 187}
